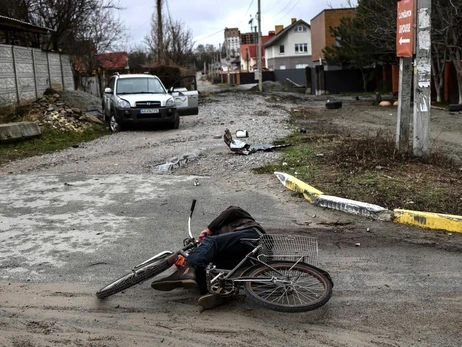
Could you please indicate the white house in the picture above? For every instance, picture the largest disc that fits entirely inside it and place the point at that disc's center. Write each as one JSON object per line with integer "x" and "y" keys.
{"x": 290, "y": 48}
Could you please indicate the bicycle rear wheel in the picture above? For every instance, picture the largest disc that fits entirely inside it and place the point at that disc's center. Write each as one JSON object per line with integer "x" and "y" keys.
{"x": 137, "y": 276}
{"x": 293, "y": 288}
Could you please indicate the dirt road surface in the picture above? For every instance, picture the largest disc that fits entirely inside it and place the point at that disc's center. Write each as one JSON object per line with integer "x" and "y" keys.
{"x": 73, "y": 221}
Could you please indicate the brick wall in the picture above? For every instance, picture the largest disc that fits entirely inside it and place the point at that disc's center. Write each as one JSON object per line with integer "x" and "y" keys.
{"x": 320, "y": 33}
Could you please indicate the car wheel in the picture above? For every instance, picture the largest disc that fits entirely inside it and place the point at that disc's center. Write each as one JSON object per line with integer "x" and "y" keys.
{"x": 114, "y": 125}
{"x": 176, "y": 122}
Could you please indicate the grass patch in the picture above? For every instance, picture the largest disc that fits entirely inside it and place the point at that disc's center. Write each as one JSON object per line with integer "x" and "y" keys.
{"x": 51, "y": 140}
{"x": 368, "y": 169}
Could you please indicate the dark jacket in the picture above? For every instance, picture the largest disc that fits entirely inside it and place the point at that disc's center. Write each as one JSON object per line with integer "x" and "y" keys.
{"x": 233, "y": 219}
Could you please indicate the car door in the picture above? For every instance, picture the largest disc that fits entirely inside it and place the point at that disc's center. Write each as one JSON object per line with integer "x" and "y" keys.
{"x": 107, "y": 97}
{"x": 186, "y": 100}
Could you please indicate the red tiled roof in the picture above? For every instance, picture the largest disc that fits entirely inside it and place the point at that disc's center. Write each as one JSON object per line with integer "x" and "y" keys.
{"x": 116, "y": 60}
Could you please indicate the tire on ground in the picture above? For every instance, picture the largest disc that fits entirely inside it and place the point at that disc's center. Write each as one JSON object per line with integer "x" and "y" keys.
{"x": 455, "y": 107}
{"x": 331, "y": 105}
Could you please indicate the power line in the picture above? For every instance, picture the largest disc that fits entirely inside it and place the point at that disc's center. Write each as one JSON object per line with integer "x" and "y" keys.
{"x": 296, "y": 3}
{"x": 248, "y": 9}
{"x": 211, "y": 35}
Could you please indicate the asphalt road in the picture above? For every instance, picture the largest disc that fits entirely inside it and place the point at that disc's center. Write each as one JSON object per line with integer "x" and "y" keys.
{"x": 65, "y": 235}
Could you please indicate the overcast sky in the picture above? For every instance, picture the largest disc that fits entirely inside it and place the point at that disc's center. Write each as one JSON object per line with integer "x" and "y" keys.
{"x": 207, "y": 19}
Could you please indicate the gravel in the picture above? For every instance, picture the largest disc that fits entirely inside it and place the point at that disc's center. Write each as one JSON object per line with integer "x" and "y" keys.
{"x": 139, "y": 151}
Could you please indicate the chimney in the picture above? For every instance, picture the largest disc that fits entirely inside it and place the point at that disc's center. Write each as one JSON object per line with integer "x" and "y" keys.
{"x": 278, "y": 28}
{"x": 294, "y": 20}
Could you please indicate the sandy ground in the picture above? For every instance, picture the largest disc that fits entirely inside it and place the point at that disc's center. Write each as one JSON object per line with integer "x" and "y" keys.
{"x": 393, "y": 285}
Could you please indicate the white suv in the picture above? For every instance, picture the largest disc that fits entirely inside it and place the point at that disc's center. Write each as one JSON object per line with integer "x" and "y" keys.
{"x": 138, "y": 99}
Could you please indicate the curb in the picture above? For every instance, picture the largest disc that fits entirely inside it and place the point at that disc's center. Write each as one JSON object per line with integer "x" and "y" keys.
{"x": 354, "y": 207}
{"x": 429, "y": 220}
{"x": 290, "y": 182}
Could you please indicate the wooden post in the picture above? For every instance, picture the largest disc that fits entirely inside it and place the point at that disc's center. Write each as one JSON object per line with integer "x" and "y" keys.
{"x": 422, "y": 81}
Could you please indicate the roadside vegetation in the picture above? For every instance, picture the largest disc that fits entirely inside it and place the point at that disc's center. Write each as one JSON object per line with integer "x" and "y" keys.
{"x": 51, "y": 140}
{"x": 368, "y": 168}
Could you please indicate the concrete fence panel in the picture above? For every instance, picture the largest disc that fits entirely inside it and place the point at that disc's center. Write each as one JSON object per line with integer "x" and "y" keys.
{"x": 54, "y": 60}
{"x": 7, "y": 74}
{"x": 42, "y": 74}
{"x": 24, "y": 68}
{"x": 67, "y": 72}
{"x": 27, "y": 72}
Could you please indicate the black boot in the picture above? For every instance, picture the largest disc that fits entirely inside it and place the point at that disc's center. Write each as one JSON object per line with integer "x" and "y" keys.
{"x": 184, "y": 277}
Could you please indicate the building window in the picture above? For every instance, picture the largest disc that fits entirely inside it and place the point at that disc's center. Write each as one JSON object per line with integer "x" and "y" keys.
{"x": 281, "y": 49}
{"x": 301, "y": 48}
{"x": 282, "y": 67}
{"x": 300, "y": 28}
{"x": 301, "y": 66}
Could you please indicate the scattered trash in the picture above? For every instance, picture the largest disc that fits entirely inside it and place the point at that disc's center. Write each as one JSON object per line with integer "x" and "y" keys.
{"x": 357, "y": 244}
{"x": 368, "y": 230}
{"x": 196, "y": 182}
{"x": 175, "y": 163}
{"x": 242, "y": 133}
{"x": 385, "y": 103}
{"x": 449, "y": 234}
{"x": 303, "y": 130}
{"x": 240, "y": 147}
{"x": 320, "y": 155}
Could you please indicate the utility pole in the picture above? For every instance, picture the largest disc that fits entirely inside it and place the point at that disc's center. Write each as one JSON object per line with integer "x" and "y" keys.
{"x": 405, "y": 50}
{"x": 160, "y": 34}
{"x": 260, "y": 75}
{"x": 422, "y": 81}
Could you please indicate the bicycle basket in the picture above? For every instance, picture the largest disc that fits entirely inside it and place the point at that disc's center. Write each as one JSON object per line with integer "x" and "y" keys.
{"x": 289, "y": 247}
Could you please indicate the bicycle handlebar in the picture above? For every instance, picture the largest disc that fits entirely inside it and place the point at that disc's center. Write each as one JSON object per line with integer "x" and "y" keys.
{"x": 193, "y": 205}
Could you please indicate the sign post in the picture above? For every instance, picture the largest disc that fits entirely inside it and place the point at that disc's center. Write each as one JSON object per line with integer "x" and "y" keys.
{"x": 422, "y": 81}
{"x": 404, "y": 50}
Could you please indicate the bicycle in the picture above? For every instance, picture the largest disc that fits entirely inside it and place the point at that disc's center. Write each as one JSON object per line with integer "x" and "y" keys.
{"x": 279, "y": 278}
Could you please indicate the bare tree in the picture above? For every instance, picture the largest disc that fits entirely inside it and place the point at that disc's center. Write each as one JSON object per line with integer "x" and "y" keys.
{"x": 176, "y": 45}
{"x": 102, "y": 32}
{"x": 448, "y": 14}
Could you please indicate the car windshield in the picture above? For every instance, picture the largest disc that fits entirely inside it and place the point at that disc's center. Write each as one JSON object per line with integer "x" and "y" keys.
{"x": 139, "y": 86}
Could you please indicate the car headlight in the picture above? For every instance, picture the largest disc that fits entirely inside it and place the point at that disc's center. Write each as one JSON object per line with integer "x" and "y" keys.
{"x": 170, "y": 102}
{"x": 124, "y": 103}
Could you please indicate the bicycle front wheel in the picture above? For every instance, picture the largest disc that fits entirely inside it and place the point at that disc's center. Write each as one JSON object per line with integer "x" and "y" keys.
{"x": 137, "y": 276}
{"x": 288, "y": 287}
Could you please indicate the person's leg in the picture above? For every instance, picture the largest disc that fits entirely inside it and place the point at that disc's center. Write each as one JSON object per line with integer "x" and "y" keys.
{"x": 225, "y": 251}
{"x": 216, "y": 245}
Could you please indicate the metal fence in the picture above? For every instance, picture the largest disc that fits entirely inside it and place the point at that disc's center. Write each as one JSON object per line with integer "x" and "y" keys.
{"x": 27, "y": 72}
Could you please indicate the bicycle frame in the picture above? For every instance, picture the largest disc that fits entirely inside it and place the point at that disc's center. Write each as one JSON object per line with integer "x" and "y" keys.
{"x": 250, "y": 256}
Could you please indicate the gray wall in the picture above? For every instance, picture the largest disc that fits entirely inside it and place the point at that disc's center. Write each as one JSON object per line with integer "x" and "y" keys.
{"x": 289, "y": 62}
{"x": 25, "y": 73}
{"x": 296, "y": 75}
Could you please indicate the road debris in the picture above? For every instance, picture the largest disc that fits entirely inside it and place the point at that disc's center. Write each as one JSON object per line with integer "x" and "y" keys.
{"x": 241, "y": 147}
{"x": 51, "y": 111}
{"x": 175, "y": 163}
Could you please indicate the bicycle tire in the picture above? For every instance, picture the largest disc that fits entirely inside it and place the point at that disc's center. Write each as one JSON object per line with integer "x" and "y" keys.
{"x": 317, "y": 290}
{"x": 135, "y": 277}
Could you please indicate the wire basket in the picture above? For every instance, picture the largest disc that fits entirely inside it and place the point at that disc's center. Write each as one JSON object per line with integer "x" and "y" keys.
{"x": 289, "y": 247}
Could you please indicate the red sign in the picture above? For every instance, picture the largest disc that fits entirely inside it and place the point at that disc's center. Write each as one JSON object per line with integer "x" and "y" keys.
{"x": 405, "y": 29}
